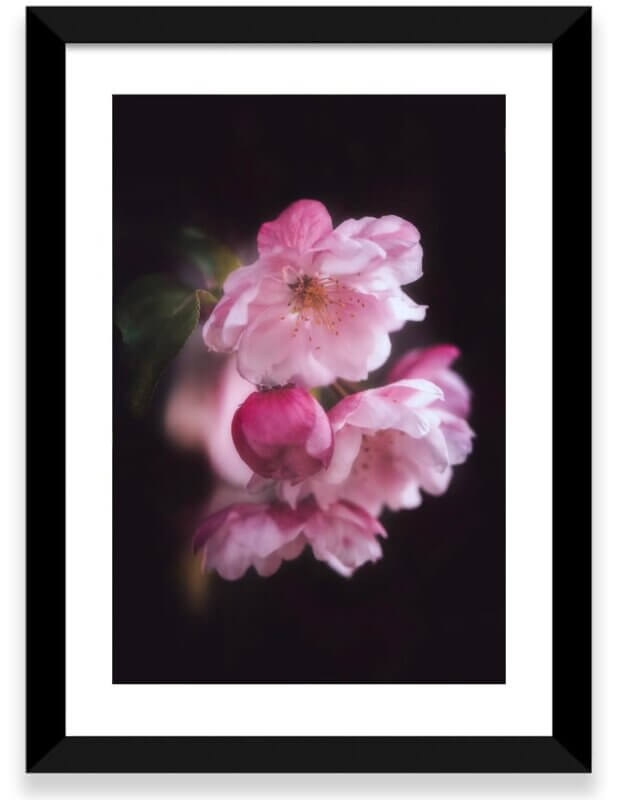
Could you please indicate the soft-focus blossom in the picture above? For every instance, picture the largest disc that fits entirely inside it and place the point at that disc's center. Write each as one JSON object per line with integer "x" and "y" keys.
{"x": 283, "y": 434}
{"x": 433, "y": 363}
{"x": 318, "y": 303}
{"x": 263, "y": 535}
{"x": 199, "y": 415}
{"x": 245, "y": 534}
{"x": 390, "y": 443}
{"x": 344, "y": 536}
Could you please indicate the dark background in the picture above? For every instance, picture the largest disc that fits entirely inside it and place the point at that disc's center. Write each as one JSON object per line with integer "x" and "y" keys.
{"x": 432, "y": 610}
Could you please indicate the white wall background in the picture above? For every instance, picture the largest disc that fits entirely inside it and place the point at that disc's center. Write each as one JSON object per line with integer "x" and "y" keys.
{"x": 604, "y": 782}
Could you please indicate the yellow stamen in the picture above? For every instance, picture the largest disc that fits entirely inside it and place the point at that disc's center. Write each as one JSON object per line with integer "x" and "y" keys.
{"x": 321, "y": 300}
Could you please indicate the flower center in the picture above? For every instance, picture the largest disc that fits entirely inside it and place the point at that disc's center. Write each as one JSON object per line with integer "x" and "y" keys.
{"x": 309, "y": 294}
{"x": 324, "y": 301}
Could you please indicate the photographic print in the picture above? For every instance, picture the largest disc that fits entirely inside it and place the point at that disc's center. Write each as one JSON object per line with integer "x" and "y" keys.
{"x": 309, "y": 398}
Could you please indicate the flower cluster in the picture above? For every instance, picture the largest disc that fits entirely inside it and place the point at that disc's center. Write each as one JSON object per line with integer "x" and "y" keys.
{"x": 317, "y": 309}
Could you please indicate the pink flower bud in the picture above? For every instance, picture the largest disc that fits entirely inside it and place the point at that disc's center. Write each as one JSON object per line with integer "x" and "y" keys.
{"x": 283, "y": 433}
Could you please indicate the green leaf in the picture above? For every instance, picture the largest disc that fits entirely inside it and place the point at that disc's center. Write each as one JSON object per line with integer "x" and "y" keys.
{"x": 156, "y": 315}
{"x": 212, "y": 258}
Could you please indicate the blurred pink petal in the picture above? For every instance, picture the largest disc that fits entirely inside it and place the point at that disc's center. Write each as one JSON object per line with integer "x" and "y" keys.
{"x": 199, "y": 415}
{"x": 225, "y": 494}
{"x": 283, "y": 434}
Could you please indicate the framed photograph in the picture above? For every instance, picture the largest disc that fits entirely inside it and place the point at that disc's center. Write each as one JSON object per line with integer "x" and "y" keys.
{"x": 315, "y": 466}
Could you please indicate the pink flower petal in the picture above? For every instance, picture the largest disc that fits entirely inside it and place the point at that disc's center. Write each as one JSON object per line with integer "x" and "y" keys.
{"x": 434, "y": 364}
{"x": 299, "y": 227}
{"x": 344, "y": 537}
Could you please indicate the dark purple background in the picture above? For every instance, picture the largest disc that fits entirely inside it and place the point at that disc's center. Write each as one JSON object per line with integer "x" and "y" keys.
{"x": 433, "y": 609}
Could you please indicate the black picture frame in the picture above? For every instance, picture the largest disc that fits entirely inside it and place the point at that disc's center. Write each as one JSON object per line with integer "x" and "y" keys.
{"x": 568, "y": 30}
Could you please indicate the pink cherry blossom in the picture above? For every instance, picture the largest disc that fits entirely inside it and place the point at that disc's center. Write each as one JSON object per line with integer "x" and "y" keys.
{"x": 433, "y": 363}
{"x": 264, "y": 535}
{"x": 318, "y": 303}
{"x": 283, "y": 433}
{"x": 390, "y": 443}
